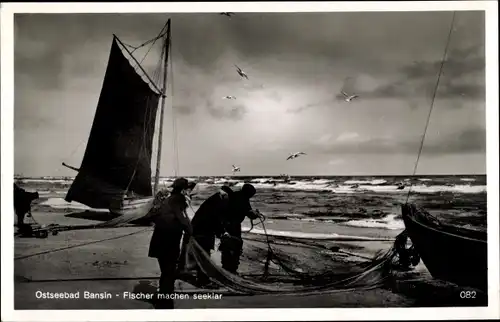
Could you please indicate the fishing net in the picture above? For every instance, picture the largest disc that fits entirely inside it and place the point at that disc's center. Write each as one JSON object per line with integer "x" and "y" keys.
{"x": 286, "y": 265}
{"x": 304, "y": 272}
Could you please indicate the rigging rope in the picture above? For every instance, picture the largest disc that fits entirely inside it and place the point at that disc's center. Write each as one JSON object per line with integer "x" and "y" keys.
{"x": 174, "y": 121}
{"x": 147, "y": 115}
{"x": 147, "y": 126}
{"x": 443, "y": 60}
{"x": 160, "y": 35}
{"x": 80, "y": 245}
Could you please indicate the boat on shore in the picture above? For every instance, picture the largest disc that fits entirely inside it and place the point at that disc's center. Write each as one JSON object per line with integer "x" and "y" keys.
{"x": 453, "y": 254}
{"x": 116, "y": 169}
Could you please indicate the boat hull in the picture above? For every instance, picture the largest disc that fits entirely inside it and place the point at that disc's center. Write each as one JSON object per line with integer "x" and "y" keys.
{"x": 132, "y": 211}
{"x": 450, "y": 254}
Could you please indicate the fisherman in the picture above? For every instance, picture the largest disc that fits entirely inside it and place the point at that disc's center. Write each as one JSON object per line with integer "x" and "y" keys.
{"x": 22, "y": 203}
{"x": 207, "y": 224}
{"x": 170, "y": 220}
{"x": 239, "y": 207}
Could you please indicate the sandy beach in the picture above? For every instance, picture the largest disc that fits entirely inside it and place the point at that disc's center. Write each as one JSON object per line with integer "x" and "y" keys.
{"x": 120, "y": 265}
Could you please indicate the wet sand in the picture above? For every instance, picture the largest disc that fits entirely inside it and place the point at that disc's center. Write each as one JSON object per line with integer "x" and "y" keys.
{"x": 125, "y": 260}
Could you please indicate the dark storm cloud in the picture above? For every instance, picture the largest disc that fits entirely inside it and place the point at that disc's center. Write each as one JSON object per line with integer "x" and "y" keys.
{"x": 47, "y": 42}
{"x": 232, "y": 112}
{"x": 464, "y": 91}
{"x": 458, "y": 64}
{"x": 295, "y": 62}
{"x": 467, "y": 141}
{"x": 420, "y": 77}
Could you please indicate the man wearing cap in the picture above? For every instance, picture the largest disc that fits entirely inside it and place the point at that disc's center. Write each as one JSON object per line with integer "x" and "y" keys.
{"x": 239, "y": 207}
{"x": 170, "y": 221}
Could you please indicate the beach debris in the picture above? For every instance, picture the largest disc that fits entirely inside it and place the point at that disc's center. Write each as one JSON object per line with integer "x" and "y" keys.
{"x": 241, "y": 72}
{"x": 295, "y": 155}
{"x": 228, "y": 14}
{"x": 348, "y": 97}
{"x": 229, "y": 97}
{"x": 108, "y": 263}
{"x": 334, "y": 248}
{"x": 236, "y": 169}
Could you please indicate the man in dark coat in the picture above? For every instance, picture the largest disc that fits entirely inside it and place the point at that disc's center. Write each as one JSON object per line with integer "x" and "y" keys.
{"x": 22, "y": 203}
{"x": 231, "y": 243}
{"x": 207, "y": 224}
{"x": 170, "y": 222}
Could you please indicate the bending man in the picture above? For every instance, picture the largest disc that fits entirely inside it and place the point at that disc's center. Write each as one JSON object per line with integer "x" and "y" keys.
{"x": 207, "y": 224}
{"x": 231, "y": 243}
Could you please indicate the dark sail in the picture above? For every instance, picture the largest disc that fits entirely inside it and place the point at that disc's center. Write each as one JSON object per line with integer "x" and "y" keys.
{"x": 118, "y": 154}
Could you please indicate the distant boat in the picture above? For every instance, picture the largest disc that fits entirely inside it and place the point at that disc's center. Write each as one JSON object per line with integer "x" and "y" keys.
{"x": 115, "y": 172}
{"x": 454, "y": 254}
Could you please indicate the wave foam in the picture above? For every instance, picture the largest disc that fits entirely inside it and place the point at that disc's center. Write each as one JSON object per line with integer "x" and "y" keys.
{"x": 316, "y": 236}
{"x": 371, "y": 182}
{"x": 389, "y": 222}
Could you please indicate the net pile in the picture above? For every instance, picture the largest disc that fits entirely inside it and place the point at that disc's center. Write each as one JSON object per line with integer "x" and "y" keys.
{"x": 295, "y": 268}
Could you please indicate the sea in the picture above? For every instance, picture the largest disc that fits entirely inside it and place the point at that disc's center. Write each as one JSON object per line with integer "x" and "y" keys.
{"x": 352, "y": 201}
{"x": 311, "y": 207}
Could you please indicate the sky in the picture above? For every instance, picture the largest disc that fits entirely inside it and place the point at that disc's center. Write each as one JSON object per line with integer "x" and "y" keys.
{"x": 297, "y": 64}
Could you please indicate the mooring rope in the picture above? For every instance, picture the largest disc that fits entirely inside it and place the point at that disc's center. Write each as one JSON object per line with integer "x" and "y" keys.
{"x": 443, "y": 60}
{"x": 80, "y": 245}
{"x": 175, "y": 142}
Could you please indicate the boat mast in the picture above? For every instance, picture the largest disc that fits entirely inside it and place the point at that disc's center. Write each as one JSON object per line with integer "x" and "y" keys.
{"x": 162, "y": 109}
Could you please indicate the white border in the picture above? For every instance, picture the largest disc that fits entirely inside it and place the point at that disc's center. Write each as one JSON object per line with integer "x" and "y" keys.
{"x": 7, "y": 103}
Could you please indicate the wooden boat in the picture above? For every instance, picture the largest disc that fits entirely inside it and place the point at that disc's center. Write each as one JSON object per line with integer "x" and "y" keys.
{"x": 452, "y": 254}
{"x": 116, "y": 171}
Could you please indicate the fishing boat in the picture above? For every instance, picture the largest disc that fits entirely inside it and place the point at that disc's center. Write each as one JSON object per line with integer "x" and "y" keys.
{"x": 116, "y": 170}
{"x": 454, "y": 254}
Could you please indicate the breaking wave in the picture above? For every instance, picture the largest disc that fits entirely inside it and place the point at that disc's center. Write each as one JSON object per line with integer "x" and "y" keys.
{"x": 337, "y": 185}
{"x": 388, "y": 222}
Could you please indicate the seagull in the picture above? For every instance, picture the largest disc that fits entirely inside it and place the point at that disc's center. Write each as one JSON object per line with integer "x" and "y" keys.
{"x": 236, "y": 169}
{"x": 241, "y": 72}
{"x": 229, "y": 14}
{"x": 349, "y": 98}
{"x": 229, "y": 97}
{"x": 295, "y": 155}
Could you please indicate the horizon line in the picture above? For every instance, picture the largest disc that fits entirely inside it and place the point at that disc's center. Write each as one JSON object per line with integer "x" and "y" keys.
{"x": 291, "y": 175}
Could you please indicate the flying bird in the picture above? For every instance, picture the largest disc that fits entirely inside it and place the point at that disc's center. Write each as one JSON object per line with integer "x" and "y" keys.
{"x": 229, "y": 14}
{"x": 236, "y": 169}
{"x": 347, "y": 97}
{"x": 229, "y": 97}
{"x": 295, "y": 155}
{"x": 241, "y": 72}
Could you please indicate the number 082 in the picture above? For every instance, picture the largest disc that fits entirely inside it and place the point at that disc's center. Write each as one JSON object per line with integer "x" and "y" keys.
{"x": 468, "y": 294}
